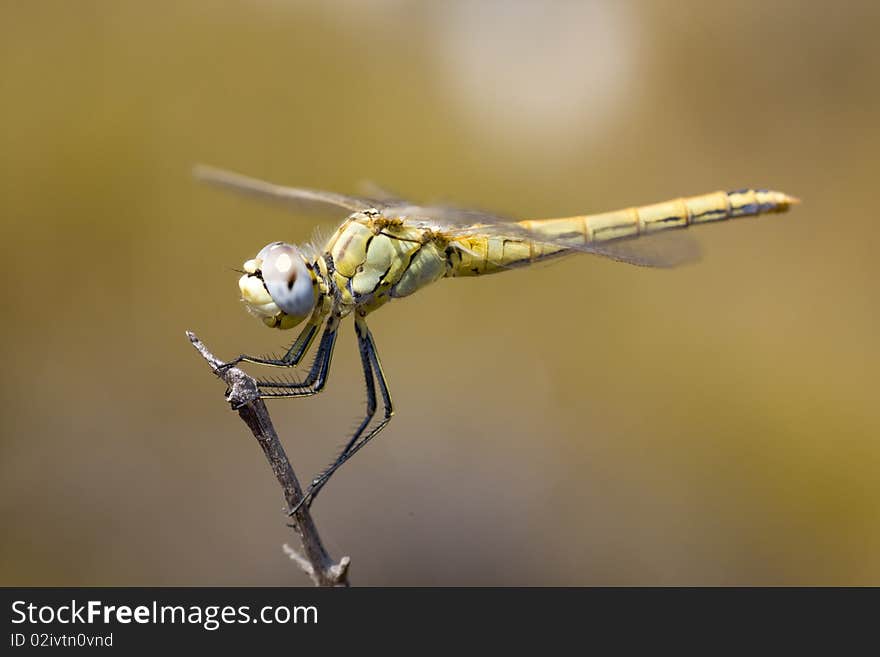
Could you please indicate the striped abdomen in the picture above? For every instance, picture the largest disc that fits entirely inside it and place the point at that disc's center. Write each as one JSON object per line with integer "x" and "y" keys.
{"x": 488, "y": 254}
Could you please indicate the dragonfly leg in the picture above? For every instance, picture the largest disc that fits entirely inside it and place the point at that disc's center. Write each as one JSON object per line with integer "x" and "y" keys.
{"x": 317, "y": 376}
{"x": 294, "y": 354}
{"x": 372, "y": 369}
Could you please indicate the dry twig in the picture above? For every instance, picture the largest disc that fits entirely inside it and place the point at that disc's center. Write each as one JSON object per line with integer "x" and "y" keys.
{"x": 243, "y": 396}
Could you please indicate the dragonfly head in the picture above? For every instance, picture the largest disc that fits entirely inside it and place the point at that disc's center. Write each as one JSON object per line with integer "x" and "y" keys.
{"x": 279, "y": 286}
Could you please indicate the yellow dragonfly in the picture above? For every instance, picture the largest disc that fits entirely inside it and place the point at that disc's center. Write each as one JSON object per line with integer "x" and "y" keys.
{"x": 387, "y": 248}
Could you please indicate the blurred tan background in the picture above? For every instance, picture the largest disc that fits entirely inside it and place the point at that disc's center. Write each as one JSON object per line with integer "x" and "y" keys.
{"x": 581, "y": 423}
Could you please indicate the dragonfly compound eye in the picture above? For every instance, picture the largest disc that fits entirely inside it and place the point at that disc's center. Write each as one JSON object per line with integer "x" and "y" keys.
{"x": 289, "y": 282}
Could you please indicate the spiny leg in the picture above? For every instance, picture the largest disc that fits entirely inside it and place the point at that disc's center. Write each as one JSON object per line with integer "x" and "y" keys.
{"x": 372, "y": 367}
{"x": 294, "y": 354}
{"x": 317, "y": 376}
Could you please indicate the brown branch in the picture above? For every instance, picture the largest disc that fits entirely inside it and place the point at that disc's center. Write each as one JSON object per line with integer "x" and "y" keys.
{"x": 243, "y": 395}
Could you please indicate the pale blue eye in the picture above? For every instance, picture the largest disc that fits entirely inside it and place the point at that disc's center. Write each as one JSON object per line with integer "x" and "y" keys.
{"x": 288, "y": 280}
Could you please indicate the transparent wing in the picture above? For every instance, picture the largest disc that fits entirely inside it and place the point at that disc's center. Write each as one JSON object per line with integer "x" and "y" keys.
{"x": 385, "y": 196}
{"x": 300, "y": 198}
{"x": 666, "y": 249}
{"x": 455, "y": 221}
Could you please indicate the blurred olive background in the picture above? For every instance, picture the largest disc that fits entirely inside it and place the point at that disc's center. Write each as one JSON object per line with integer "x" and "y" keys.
{"x": 581, "y": 423}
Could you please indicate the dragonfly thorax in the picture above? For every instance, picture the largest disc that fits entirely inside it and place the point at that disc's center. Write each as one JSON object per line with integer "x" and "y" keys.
{"x": 279, "y": 285}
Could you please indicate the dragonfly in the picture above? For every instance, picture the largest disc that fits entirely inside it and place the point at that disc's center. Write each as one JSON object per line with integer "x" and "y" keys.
{"x": 388, "y": 248}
